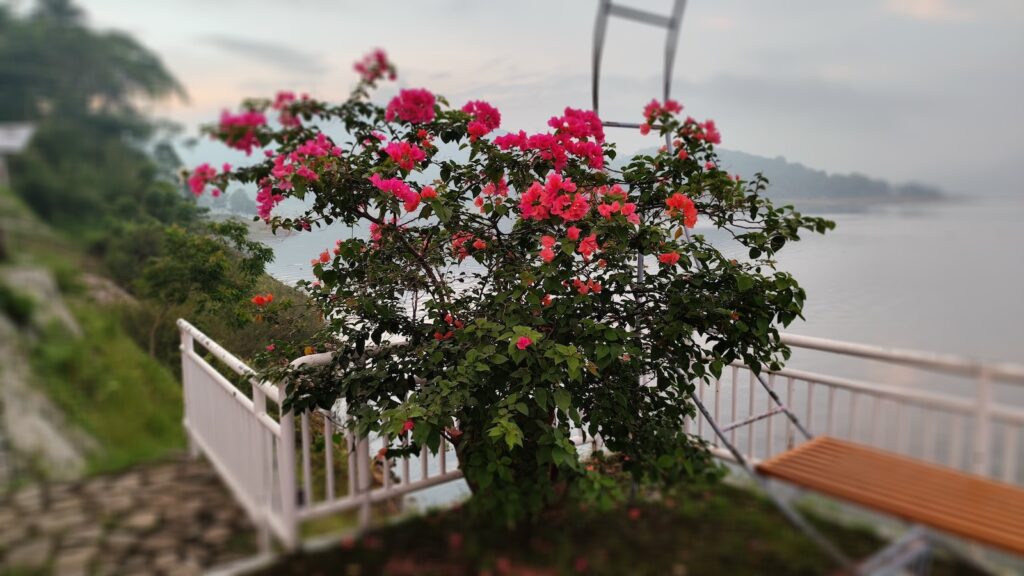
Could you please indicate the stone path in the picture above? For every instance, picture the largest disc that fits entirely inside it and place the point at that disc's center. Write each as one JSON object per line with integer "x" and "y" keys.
{"x": 169, "y": 518}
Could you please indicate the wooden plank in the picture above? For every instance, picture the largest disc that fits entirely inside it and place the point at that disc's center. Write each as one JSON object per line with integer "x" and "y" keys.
{"x": 970, "y": 506}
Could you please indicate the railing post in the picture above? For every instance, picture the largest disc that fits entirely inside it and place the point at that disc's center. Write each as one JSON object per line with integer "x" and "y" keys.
{"x": 187, "y": 346}
{"x": 983, "y": 424}
{"x": 364, "y": 479}
{"x": 259, "y": 404}
{"x": 286, "y": 470}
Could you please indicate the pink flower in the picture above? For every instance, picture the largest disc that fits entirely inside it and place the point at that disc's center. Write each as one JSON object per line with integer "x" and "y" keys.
{"x": 428, "y": 193}
{"x": 645, "y": 129}
{"x": 200, "y": 177}
{"x": 669, "y": 258}
{"x": 486, "y": 118}
{"x": 239, "y": 130}
{"x": 415, "y": 106}
{"x": 407, "y": 426}
{"x": 556, "y": 197}
{"x": 374, "y": 66}
{"x": 547, "y": 241}
{"x": 270, "y": 347}
{"x": 680, "y": 204}
{"x": 683, "y": 154}
{"x": 405, "y": 155}
{"x": 572, "y": 233}
{"x": 399, "y": 189}
{"x": 325, "y": 257}
{"x": 266, "y": 199}
{"x": 587, "y": 246}
{"x": 709, "y": 165}
{"x": 523, "y": 342}
{"x": 547, "y": 254}
{"x": 479, "y": 244}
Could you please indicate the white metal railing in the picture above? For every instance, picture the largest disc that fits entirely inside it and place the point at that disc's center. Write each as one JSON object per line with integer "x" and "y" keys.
{"x": 970, "y": 431}
{"x": 268, "y": 462}
{"x": 284, "y": 474}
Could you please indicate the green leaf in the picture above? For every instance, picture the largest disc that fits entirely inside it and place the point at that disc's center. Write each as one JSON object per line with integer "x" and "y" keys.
{"x": 562, "y": 399}
{"x": 744, "y": 282}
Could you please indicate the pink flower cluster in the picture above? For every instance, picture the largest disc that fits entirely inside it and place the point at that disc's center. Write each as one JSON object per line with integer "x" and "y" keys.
{"x": 486, "y": 118}
{"x": 404, "y": 154}
{"x": 302, "y": 161}
{"x": 578, "y": 132}
{"x": 680, "y": 204}
{"x": 586, "y": 287}
{"x": 374, "y": 66}
{"x": 399, "y": 189}
{"x": 586, "y": 247}
{"x": 461, "y": 242}
{"x": 202, "y": 176}
{"x": 556, "y": 197}
{"x": 415, "y": 106}
{"x": 614, "y": 201}
{"x": 706, "y": 131}
{"x": 239, "y": 130}
{"x": 654, "y": 109}
{"x": 266, "y": 199}
{"x": 282, "y": 103}
{"x": 377, "y": 231}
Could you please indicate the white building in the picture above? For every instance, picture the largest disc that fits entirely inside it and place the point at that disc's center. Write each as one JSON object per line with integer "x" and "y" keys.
{"x": 14, "y": 137}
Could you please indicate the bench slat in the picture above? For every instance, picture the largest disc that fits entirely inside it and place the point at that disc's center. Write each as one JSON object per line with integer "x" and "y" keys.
{"x": 949, "y": 500}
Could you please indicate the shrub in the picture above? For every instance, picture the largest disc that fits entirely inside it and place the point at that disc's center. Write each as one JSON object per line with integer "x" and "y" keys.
{"x": 497, "y": 301}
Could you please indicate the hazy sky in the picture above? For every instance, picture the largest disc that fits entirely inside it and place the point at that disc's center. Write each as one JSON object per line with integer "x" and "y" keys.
{"x": 927, "y": 90}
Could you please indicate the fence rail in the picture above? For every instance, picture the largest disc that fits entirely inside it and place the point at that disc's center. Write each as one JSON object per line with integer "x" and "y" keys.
{"x": 287, "y": 469}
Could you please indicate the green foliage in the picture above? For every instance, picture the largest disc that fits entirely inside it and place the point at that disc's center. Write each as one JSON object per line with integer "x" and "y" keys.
{"x": 16, "y": 306}
{"x": 106, "y": 384}
{"x": 87, "y": 165}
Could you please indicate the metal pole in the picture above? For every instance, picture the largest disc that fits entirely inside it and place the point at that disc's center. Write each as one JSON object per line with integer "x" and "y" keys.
{"x": 792, "y": 515}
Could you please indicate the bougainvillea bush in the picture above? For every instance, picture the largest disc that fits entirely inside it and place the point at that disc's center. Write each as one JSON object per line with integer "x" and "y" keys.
{"x": 495, "y": 299}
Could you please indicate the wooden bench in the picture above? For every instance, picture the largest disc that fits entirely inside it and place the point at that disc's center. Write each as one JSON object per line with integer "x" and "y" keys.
{"x": 948, "y": 500}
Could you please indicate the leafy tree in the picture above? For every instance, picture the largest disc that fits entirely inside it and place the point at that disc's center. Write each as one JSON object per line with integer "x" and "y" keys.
{"x": 216, "y": 270}
{"x": 88, "y": 163}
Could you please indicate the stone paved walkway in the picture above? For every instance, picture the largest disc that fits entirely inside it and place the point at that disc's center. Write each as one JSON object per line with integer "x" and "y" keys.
{"x": 169, "y": 518}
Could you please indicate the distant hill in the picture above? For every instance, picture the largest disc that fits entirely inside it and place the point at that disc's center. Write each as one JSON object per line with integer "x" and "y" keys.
{"x": 796, "y": 182}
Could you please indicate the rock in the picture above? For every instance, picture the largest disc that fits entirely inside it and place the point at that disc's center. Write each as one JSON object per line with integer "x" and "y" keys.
{"x": 83, "y": 536}
{"x": 216, "y": 535}
{"x": 74, "y": 561}
{"x": 141, "y": 521}
{"x": 121, "y": 540}
{"x": 57, "y": 522}
{"x": 33, "y": 554}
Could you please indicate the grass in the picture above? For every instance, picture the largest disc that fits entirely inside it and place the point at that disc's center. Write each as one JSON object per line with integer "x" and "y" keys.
{"x": 107, "y": 385}
{"x": 721, "y": 531}
{"x": 690, "y": 530}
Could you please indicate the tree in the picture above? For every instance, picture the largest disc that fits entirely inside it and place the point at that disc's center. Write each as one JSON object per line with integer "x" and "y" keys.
{"x": 85, "y": 90}
{"x": 215, "y": 270}
{"x": 241, "y": 203}
{"x": 500, "y": 303}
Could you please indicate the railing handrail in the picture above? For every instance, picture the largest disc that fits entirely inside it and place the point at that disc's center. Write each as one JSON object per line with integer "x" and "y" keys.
{"x": 230, "y": 360}
{"x": 951, "y": 363}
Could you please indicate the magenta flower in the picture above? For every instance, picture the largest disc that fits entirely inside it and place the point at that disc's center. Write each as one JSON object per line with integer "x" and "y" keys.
{"x": 523, "y": 342}
{"x": 415, "y": 106}
{"x": 404, "y": 154}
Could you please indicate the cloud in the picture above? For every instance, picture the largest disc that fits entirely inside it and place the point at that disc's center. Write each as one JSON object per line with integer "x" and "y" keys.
{"x": 928, "y": 10}
{"x": 277, "y": 55}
